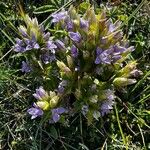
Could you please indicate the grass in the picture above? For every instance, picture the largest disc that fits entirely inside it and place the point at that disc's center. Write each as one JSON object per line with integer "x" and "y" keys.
{"x": 126, "y": 127}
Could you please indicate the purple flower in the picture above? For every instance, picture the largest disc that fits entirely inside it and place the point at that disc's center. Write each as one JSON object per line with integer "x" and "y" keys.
{"x": 40, "y": 93}
{"x": 69, "y": 24}
{"x": 59, "y": 16}
{"x": 35, "y": 111}
{"x": 110, "y": 55}
{"x": 48, "y": 58}
{"x": 111, "y": 28}
{"x": 74, "y": 51}
{"x": 118, "y": 49}
{"x": 62, "y": 86}
{"x": 75, "y": 36}
{"x": 56, "y": 114}
{"x": 50, "y": 45}
{"x": 102, "y": 56}
{"x": 25, "y": 67}
{"x": 46, "y": 36}
{"x": 31, "y": 44}
{"x": 60, "y": 44}
{"x": 19, "y": 46}
{"x": 84, "y": 24}
{"x": 110, "y": 95}
{"x": 106, "y": 106}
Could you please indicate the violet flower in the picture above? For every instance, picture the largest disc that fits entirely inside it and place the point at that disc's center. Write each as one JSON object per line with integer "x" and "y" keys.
{"x": 61, "y": 86}
{"x": 75, "y": 36}
{"x": 48, "y": 58}
{"x": 32, "y": 43}
{"x": 19, "y": 46}
{"x": 110, "y": 55}
{"x": 35, "y": 111}
{"x": 74, "y": 51}
{"x": 46, "y": 36}
{"x": 84, "y": 24}
{"x": 40, "y": 93}
{"x": 106, "y": 107}
{"x": 50, "y": 45}
{"x": 102, "y": 56}
{"x": 56, "y": 114}
{"x": 59, "y": 16}
{"x": 60, "y": 45}
{"x": 69, "y": 24}
{"x": 25, "y": 67}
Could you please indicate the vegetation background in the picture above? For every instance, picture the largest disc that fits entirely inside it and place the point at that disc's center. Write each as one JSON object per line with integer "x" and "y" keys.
{"x": 127, "y": 127}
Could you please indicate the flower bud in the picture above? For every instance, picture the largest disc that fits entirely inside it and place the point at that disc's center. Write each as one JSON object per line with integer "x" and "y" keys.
{"x": 44, "y": 105}
{"x": 52, "y": 94}
{"x": 136, "y": 73}
{"x": 121, "y": 82}
{"x": 54, "y": 101}
{"x": 125, "y": 72}
{"x": 63, "y": 67}
{"x": 69, "y": 61}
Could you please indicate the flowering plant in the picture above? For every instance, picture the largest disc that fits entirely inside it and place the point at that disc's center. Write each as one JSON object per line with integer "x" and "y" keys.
{"x": 88, "y": 61}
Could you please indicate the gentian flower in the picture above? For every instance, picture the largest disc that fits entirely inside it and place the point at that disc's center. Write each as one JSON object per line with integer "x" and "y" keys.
{"x": 35, "y": 111}
{"x": 69, "y": 24}
{"x": 61, "y": 86}
{"x": 59, "y": 16}
{"x": 102, "y": 56}
{"x": 48, "y": 58}
{"x": 84, "y": 24}
{"x": 60, "y": 44}
{"x": 50, "y": 45}
{"x": 75, "y": 36}
{"x": 110, "y": 95}
{"x": 25, "y": 67}
{"x": 74, "y": 51}
{"x": 106, "y": 106}
{"x": 46, "y": 36}
{"x": 56, "y": 114}
{"x": 31, "y": 44}
{"x": 40, "y": 93}
{"x": 19, "y": 46}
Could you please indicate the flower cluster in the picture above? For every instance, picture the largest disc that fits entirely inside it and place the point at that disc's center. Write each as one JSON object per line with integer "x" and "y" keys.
{"x": 91, "y": 64}
{"x": 36, "y": 44}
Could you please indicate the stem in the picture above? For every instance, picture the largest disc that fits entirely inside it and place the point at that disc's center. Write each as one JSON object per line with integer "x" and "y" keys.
{"x": 119, "y": 125}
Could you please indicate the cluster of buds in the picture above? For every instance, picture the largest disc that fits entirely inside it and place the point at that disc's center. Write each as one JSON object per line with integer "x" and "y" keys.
{"x": 91, "y": 63}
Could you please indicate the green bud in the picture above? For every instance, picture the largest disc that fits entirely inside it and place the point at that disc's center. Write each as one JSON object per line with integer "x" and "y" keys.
{"x": 125, "y": 72}
{"x": 54, "y": 101}
{"x": 70, "y": 61}
{"x": 121, "y": 82}
{"x": 78, "y": 94}
{"x": 63, "y": 67}
{"x": 52, "y": 94}
{"x": 94, "y": 99}
{"x": 44, "y": 105}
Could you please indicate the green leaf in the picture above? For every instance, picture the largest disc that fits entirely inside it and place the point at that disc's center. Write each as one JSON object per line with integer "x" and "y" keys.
{"x": 53, "y": 132}
{"x": 44, "y": 9}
